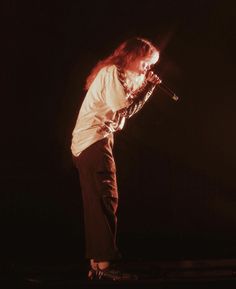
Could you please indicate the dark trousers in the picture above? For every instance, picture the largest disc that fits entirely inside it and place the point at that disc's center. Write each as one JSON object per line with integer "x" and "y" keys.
{"x": 97, "y": 172}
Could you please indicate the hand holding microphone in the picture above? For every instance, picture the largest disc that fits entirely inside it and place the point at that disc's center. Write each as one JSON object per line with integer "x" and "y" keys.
{"x": 153, "y": 78}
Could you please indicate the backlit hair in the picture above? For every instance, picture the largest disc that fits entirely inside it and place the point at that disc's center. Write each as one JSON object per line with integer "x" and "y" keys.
{"x": 123, "y": 55}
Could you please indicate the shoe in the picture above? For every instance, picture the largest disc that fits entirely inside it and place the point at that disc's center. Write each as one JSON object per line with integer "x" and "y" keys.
{"x": 110, "y": 274}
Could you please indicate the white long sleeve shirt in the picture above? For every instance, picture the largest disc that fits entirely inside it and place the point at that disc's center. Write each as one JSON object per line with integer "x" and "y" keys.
{"x": 97, "y": 116}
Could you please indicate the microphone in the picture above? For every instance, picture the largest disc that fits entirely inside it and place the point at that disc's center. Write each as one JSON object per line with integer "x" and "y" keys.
{"x": 168, "y": 91}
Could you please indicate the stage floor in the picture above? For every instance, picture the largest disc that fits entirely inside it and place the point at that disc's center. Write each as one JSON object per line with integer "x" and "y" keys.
{"x": 183, "y": 274}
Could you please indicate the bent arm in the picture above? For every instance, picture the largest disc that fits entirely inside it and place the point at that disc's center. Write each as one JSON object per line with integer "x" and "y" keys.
{"x": 137, "y": 102}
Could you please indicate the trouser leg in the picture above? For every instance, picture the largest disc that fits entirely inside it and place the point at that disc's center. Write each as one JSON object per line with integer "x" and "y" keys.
{"x": 100, "y": 200}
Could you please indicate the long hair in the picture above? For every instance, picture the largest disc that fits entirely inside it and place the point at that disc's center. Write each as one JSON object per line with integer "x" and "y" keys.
{"x": 123, "y": 55}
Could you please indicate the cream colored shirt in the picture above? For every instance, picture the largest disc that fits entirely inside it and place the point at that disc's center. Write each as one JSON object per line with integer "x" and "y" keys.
{"x": 104, "y": 98}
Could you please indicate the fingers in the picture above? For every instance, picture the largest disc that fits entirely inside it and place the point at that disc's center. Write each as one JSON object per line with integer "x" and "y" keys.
{"x": 155, "y": 79}
{"x": 152, "y": 77}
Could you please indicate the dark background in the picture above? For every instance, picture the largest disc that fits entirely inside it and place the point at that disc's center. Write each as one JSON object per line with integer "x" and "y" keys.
{"x": 176, "y": 161}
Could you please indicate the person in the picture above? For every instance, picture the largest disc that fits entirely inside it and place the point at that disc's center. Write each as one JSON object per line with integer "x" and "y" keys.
{"x": 117, "y": 88}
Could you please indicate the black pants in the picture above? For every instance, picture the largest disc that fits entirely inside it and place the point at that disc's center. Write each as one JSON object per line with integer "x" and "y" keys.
{"x": 97, "y": 173}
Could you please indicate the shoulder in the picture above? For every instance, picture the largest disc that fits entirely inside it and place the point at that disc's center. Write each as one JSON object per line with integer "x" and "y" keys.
{"x": 109, "y": 69}
{"x": 108, "y": 73}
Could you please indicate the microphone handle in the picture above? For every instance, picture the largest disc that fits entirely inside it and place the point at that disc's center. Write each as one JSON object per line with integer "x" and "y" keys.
{"x": 168, "y": 91}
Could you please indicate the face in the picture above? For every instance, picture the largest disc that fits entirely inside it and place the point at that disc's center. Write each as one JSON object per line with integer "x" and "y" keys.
{"x": 142, "y": 64}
